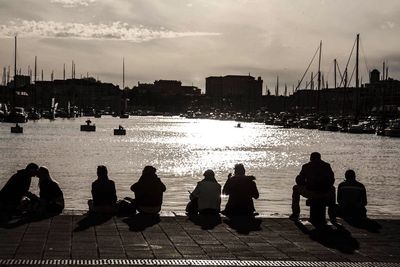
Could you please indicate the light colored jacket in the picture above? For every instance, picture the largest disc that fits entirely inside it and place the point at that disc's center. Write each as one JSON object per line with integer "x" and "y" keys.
{"x": 208, "y": 194}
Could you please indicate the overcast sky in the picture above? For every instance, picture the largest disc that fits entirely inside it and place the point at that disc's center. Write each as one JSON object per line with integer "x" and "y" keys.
{"x": 189, "y": 40}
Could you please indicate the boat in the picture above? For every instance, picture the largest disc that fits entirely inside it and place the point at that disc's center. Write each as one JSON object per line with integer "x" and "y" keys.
{"x": 238, "y": 125}
{"x": 394, "y": 128}
{"x": 362, "y": 128}
{"x": 33, "y": 115}
{"x": 124, "y": 116}
{"x": 88, "y": 127}
{"x": 16, "y": 115}
{"x": 120, "y": 131}
{"x": 17, "y": 129}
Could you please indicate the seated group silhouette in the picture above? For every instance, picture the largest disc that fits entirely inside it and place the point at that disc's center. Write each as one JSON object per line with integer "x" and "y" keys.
{"x": 314, "y": 182}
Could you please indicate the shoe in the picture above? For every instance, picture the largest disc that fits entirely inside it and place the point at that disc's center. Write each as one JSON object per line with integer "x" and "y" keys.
{"x": 294, "y": 217}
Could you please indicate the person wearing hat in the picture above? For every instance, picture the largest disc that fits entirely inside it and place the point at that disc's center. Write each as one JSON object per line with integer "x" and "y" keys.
{"x": 206, "y": 197}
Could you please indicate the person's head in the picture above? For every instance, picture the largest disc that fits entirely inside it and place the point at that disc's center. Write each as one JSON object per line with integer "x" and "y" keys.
{"x": 32, "y": 168}
{"x": 239, "y": 169}
{"x": 315, "y": 156}
{"x": 350, "y": 175}
{"x": 149, "y": 171}
{"x": 102, "y": 172}
{"x": 209, "y": 175}
{"x": 44, "y": 175}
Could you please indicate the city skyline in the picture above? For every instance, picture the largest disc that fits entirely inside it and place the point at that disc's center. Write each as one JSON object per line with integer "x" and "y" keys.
{"x": 191, "y": 40}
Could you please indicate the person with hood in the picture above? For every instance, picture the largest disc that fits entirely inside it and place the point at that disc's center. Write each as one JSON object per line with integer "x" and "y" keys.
{"x": 241, "y": 190}
{"x": 206, "y": 197}
{"x": 104, "y": 195}
{"x": 17, "y": 189}
{"x": 148, "y": 192}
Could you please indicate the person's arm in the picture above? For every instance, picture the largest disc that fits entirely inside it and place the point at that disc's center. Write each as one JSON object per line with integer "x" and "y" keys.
{"x": 339, "y": 194}
{"x": 331, "y": 176}
{"x": 226, "y": 189}
{"x": 196, "y": 192}
{"x": 255, "y": 194}
{"x": 114, "y": 192}
{"x": 301, "y": 178}
{"x": 364, "y": 197}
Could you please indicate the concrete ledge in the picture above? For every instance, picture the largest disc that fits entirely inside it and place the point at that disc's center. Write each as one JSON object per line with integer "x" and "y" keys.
{"x": 179, "y": 240}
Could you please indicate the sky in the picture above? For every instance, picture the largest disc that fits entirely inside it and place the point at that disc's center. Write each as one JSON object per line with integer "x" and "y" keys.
{"x": 189, "y": 40}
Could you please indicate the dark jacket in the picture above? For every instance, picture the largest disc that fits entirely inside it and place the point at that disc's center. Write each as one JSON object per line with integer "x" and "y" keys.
{"x": 51, "y": 193}
{"x": 149, "y": 191}
{"x": 316, "y": 176}
{"x": 16, "y": 188}
{"x": 351, "y": 194}
{"x": 103, "y": 192}
{"x": 241, "y": 191}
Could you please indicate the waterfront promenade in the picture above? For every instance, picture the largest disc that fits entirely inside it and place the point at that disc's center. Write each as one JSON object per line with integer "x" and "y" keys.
{"x": 71, "y": 240}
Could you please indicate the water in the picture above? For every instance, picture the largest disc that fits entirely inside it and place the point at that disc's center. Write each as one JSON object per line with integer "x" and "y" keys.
{"x": 182, "y": 149}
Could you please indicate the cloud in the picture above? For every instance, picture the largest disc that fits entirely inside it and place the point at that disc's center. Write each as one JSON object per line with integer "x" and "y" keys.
{"x": 72, "y": 3}
{"x": 114, "y": 31}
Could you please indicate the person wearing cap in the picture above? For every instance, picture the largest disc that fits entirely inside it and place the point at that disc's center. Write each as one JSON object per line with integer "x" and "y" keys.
{"x": 241, "y": 190}
{"x": 17, "y": 188}
{"x": 148, "y": 192}
{"x": 206, "y": 197}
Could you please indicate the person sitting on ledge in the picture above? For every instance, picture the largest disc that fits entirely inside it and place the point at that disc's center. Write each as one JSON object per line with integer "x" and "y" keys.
{"x": 104, "y": 196}
{"x": 17, "y": 189}
{"x": 206, "y": 197}
{"x": 148, "y": 192}
{"x": 315, "y": 181}
{"x": 241, "y": 190}
{"x": 352, "y": 198}
{"x": 51, "y": 196}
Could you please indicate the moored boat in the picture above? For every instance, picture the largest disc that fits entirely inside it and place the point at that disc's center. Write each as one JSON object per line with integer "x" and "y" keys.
{"x": 394, "y": 128}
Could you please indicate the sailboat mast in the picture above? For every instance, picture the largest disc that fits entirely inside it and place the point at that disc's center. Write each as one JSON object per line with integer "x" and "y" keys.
{"x": 15, "y": 70}
{"x": 123, "y": 73}
{"x": 334, "y": 63}
{"x": 357, "y": 74}
{"x": 319, "y": 66}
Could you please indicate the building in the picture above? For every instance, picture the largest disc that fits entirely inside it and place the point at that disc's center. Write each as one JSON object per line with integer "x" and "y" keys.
{"x": 238, "y": 92}
{"x": 162, "y": 96}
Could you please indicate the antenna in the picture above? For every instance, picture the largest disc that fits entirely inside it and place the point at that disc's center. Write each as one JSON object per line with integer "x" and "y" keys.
{"x": 64, "y": 72}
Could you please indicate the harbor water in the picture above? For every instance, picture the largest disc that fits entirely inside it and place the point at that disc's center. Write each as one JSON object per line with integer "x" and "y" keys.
{"x": 182, "y": 149}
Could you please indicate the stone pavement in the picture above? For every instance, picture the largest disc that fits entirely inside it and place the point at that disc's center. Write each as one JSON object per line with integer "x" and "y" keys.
{"x": 262, "y": 242}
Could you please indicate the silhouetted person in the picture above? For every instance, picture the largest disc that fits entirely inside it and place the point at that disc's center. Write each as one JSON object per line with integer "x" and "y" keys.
{"x": 104, "y": 196}
{"x": 315, "y": 181}
{"x": 51, "y": 196}
{"x": 148, "y": 191}
{"x": 241, "y": 190}
{"x": 352, "y": 197}
{"x": 16, "y": 188}
{"x": 206, "y": 197}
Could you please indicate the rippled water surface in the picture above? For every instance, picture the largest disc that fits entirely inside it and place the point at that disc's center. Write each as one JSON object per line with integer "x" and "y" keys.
{"x": 181, "y": 149}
